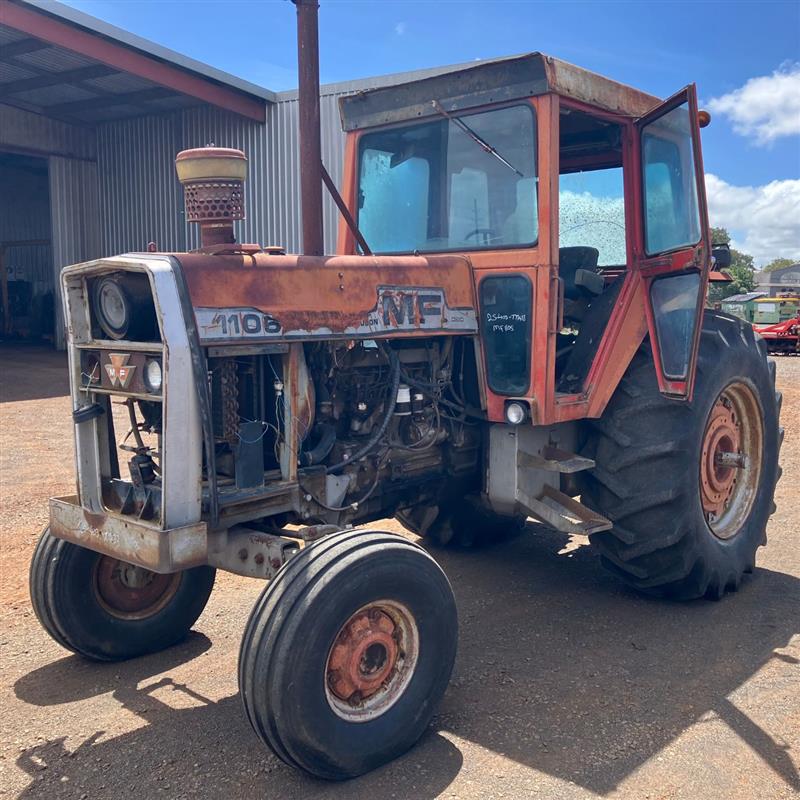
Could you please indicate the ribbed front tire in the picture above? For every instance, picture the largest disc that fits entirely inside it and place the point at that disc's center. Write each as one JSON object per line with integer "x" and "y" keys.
{"x": 106, "y": 610}
{"x": 348, "y": 652}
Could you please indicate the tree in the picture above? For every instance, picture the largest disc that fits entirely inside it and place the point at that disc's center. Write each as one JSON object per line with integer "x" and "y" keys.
{"x": 742, "y": 270}
{"x": 779, "y": 263}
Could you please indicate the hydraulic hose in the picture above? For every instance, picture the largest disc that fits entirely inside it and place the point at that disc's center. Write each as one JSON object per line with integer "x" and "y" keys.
{"x": 378, "y": 434}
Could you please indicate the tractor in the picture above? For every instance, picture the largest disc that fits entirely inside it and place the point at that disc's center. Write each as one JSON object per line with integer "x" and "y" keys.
{"x": 512, "y": 328}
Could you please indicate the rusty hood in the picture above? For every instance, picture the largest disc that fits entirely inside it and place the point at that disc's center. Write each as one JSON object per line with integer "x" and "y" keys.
{"x": 259, "y": 296}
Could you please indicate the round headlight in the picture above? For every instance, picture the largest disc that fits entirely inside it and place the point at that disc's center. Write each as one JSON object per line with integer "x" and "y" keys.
{"x": 153, "y": 376}
{"x": 516, "y": 413}
{"x": 112, "y": 306}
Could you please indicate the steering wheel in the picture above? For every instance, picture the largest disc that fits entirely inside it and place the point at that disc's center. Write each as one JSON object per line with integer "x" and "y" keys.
{"x": 487, "y": 233}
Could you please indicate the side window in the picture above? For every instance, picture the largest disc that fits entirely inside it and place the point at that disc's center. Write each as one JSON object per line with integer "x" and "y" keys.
{"x": 674, "y": 300}
{"x": 591, "y": 213}
{"x": 506, "y": 327}
{"x": 393, "y": 200}
{"x": 671, "y": 211}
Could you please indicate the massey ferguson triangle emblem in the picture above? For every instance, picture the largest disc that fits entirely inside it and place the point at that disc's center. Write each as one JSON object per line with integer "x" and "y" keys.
{"x": 119, "y": 373}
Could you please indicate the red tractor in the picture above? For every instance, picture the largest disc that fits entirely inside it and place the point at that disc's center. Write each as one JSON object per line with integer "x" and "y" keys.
{"x": 513, "y": 327}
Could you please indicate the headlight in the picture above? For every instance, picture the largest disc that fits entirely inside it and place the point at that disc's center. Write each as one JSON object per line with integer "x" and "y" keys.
{"x": 112, "y": 306}
{"x": 516, "y": 413}
{"x": 153, "y": 376}
{"x": 123, "y": 306}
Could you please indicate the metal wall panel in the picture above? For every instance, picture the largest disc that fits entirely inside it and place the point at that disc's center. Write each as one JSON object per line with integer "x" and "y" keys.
{"x": 140, "y": 199}
{"x": 74, "y": 217}
{"x": 35, "y": 133}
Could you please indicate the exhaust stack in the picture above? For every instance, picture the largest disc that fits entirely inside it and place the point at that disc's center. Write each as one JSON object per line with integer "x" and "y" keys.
{"x": 309, "y": 126}
{"x": 213, "y": 185}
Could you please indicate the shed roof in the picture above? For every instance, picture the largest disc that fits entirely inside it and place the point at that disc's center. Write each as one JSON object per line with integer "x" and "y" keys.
{"x": 66, "y": 64}
{"x": 744, "y": 298}
{"x": 493, "y": 81}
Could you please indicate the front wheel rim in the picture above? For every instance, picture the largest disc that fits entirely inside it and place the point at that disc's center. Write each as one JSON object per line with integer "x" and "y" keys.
{"x": 128, "y": 592}
{"x": 371, "y": 661}
{"x": 730, "y": 460}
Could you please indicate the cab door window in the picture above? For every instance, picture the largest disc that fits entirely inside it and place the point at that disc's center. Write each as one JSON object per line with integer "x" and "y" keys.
{"x": 671, "y": 210}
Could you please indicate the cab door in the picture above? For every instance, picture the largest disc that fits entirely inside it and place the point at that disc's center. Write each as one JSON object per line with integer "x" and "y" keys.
{"x": 673, "y": 250}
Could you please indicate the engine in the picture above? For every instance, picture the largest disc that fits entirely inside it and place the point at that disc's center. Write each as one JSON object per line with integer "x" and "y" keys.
{"x": 379, "y": 425}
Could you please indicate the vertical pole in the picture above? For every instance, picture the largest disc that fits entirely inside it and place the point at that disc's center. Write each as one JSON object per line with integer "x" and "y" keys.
{"x": 309, "y": 126}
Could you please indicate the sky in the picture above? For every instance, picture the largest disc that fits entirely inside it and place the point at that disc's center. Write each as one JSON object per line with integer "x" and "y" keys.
{"x": 744, "y": 57}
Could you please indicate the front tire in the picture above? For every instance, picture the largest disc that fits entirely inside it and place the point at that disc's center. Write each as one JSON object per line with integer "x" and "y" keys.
{"x": 348, "y": 652}
{"x": 108, "y": 610}
{"x": 688, "y": 486}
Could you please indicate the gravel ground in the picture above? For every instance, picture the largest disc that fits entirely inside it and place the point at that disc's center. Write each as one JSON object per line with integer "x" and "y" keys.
{"x": 567, "y": 685}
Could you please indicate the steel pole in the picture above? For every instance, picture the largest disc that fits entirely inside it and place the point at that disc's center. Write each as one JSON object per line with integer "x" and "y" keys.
{"x": 309, "y": 122}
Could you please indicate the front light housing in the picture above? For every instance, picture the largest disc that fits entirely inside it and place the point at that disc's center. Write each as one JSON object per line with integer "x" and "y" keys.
{"x": 153, "y": 375}
{"x": 516, "y": 413}
{"x": 123, "y": 308}
{"x": 112, "y": 307}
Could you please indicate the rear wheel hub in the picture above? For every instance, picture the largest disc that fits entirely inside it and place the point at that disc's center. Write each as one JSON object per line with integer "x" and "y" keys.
{"x": 730, "y": 460}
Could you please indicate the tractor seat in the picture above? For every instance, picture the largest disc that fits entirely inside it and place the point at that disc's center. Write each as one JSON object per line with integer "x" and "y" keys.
{"x": 577, "y": 267}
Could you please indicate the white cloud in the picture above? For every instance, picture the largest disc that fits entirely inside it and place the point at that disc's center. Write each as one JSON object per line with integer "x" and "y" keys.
{"x": 400, "y": 28}
{"x": 765, "y": 108}
{"x": 763, "y": 220}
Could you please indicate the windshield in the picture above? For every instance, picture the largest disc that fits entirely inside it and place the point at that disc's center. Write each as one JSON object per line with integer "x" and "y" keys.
{"x": 435, "y": 187}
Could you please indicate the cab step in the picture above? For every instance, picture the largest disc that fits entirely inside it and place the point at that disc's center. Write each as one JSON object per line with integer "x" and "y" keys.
{"x": 553, "y": 459}
{"x": 562, "y": 512}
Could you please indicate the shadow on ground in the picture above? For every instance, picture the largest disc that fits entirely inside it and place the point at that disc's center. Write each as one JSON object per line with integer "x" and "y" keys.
{"x": 559, "y": 668}
{"x": 31, "y": 372}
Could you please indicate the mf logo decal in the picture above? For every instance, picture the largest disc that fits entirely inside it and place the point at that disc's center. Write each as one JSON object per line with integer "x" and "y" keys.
{"x": 119, "y": 373}
{"x": 403, "y": 308}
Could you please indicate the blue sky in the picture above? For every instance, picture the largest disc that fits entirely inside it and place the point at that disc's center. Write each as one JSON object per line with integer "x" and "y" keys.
{"x": 744, "y": 57}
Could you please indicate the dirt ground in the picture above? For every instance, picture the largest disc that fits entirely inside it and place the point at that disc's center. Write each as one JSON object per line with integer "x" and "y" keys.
{"x": 567, "y": 684}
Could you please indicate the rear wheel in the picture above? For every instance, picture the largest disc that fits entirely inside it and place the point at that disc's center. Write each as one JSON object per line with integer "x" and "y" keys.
{"x": 461, "y": 522}
{"x": 688, "y": 486}
{"x": 348, "y": 652}
{"x": 109, "y": 610}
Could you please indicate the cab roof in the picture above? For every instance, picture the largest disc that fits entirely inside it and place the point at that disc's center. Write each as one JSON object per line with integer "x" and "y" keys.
{"x": 496, "y": 81}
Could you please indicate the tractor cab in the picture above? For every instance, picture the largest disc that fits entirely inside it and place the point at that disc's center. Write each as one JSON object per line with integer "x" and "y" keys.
{"x": 571, "y": 195}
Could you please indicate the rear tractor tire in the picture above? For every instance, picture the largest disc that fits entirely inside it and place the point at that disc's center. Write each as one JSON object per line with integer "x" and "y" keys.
{"x": 348, "y": 652}
{"x": 108, "y": 610}
{"x": 688, "y": 486}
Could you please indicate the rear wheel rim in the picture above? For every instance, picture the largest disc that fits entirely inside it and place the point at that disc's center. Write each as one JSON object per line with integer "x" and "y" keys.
{"x": 371, "y": 661}
{"x": 730, "y": 459}
{"x": 129, "y": 592}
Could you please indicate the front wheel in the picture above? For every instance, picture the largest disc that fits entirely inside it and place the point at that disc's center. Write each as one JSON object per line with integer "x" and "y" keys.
{"x": 109, "y": 610}
{"x": 348, "y": 652}
{"x": 688, "y": 486}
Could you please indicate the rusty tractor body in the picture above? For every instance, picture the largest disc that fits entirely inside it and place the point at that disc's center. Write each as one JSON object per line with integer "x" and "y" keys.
{"x": 512, "y": 327}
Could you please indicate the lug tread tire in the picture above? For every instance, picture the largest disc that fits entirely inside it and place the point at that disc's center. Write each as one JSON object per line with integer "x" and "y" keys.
{"x": 61, "y": 600}
{"x": 646, "y": 449}
{"x": 276, "y": 627}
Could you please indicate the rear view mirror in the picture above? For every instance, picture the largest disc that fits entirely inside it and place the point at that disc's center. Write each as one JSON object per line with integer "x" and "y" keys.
{"x": 722, "y": 256}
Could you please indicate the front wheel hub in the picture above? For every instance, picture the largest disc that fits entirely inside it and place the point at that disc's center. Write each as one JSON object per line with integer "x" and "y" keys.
{"x": 371, "y": 661}
{"x": 730, "y": 459}
{"x": 129, "y": 592}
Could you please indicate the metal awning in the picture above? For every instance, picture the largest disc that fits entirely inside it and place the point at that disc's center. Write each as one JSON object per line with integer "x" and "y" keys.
{"x": 60, "y": 62}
